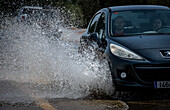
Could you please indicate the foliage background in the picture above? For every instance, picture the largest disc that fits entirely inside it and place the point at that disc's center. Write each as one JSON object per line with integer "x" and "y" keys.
{"x": 81, "y": 10}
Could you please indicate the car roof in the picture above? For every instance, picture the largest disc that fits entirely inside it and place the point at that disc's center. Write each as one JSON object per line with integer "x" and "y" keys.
{"x": 137, "y": 7}
{"x": 33, "y": 7}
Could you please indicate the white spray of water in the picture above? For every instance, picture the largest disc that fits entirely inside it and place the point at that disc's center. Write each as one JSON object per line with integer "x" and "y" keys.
{"x": 30, "y": 56}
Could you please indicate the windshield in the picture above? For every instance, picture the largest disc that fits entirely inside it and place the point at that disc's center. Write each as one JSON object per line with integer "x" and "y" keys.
{"x": 139, "y": 22}
{"x": 44, "y": 17}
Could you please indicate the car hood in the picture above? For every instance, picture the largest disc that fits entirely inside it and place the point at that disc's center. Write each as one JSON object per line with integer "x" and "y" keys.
{"x": 147, "y": 46}
{"x": 144, "y": 41}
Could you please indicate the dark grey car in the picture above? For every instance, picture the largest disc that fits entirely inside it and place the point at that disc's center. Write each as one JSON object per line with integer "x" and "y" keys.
{"x": 136, "y": 42}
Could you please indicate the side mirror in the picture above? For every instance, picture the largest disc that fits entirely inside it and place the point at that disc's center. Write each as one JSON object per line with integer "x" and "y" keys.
{"x": 94, "y": 36}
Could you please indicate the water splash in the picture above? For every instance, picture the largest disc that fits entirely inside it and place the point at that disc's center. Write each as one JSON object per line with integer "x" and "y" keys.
{"x": 52, "y": 67}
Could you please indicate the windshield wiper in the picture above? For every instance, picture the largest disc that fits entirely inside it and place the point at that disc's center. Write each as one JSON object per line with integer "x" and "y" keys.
{"x": 138, "y": 34}
{"x": 155, "y": 34}
{"x": 125, "y": 35}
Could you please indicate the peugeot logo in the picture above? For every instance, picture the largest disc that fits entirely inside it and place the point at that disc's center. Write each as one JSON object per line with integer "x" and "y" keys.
{"x": 165, "y": 53}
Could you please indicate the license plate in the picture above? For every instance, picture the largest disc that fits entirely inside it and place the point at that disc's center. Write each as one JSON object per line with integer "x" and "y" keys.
{"x": 162, "y": 84}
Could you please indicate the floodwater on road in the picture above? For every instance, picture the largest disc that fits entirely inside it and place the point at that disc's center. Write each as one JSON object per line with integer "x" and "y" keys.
{"x": 40, "y": 72}
{"x": 17, "y": 96}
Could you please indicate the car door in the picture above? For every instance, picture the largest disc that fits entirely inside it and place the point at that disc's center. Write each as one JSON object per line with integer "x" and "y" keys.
{"x": 87, "y": 40}
{"x": 94, "y": 38}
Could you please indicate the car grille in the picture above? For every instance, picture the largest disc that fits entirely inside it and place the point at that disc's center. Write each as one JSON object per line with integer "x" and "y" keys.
{"x": 152, "y": 73}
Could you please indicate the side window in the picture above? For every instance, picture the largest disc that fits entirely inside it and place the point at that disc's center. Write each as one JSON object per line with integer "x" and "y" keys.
{"x": 100, "y": 29}
{"x": 93, "y": 24}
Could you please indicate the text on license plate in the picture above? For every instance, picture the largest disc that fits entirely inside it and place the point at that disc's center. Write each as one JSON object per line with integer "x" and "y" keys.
{"x": 162, "y": 84}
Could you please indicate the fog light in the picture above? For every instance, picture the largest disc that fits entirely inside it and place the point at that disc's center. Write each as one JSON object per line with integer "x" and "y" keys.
{"x": 123, "y": 75}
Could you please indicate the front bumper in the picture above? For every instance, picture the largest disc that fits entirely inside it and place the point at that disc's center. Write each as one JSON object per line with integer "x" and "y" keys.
{"x": 140, "y": 74}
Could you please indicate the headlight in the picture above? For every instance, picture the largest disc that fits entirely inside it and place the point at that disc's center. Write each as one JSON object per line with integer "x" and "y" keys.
{"x": 124, "y": 53}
